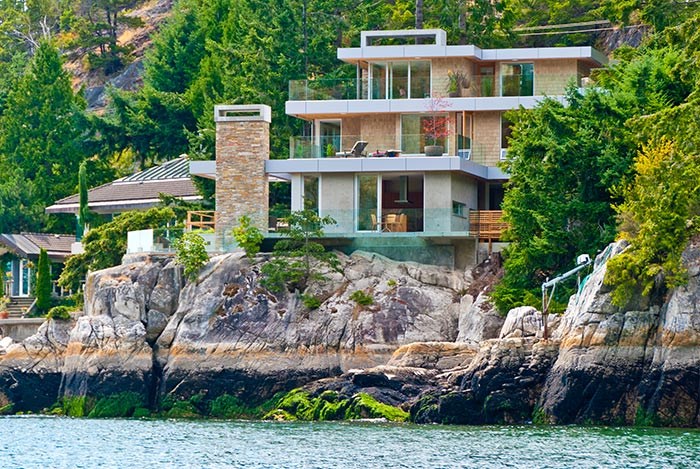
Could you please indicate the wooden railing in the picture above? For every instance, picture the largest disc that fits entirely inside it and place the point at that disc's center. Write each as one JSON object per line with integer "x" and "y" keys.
{"x": 487, "y": 224}
{"x": 201, "y": 220}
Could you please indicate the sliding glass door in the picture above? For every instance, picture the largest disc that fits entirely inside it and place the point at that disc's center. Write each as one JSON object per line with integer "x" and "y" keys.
{"x": 368, "y": 214}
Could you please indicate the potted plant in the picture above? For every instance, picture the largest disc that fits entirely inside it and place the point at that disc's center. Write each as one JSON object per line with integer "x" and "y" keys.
{"x": 436, "y": 127}
{"x": 455, "y": 82}
{"x": 4, "y": 302}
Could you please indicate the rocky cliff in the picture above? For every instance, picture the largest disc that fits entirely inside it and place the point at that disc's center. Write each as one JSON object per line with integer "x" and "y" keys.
{"x": 430, "y": 343}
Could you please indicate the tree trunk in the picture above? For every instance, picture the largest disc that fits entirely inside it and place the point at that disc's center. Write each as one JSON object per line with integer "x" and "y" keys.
{"x": 419, "y": 14}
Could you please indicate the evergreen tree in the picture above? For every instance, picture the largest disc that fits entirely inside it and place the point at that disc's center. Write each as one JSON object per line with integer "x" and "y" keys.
{"x": 41, "y": 140}
{"x": 43, "y": 282}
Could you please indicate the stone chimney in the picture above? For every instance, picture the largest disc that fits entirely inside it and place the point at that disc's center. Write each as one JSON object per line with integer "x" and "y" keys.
{"x": 242, "y": 147}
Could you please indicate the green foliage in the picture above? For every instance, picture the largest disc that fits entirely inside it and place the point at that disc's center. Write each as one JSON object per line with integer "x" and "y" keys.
{"x": 365, "y": 406}
{"x": 43, "y": 282}
{"x": 296, "y": 260}
{"x": 191, "y": 253}
{"x": 660, "y": 212}
{"x": 310, "y": 301}
{"x": 42, "y": 142}
{"x": 59, "y": 313}
{"x": 105, "y": 245}
{"x": 248, "y": 237}
{"x": 123, "y": 404}
{"x": 362, "y": 298}
{"x": 563, "y": 162}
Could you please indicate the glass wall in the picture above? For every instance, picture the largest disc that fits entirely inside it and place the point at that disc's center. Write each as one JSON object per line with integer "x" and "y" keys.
{"x": 419, "y": 130}
{"x": 517, "y": 79}
{"x": 400, "y": 80}
{"x": 367, "y": 203}
{"x": 311, "y": 192}
{"x": 329, "y": 137}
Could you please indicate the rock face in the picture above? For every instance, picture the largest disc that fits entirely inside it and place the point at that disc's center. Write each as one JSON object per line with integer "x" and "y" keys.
{"x": 229, "y": 333}
{"x": 640, "y": 364}
{"x": 422, "y": 344}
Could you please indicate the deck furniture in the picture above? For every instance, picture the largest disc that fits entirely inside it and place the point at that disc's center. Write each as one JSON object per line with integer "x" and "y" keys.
{"x": 355, "y": 151}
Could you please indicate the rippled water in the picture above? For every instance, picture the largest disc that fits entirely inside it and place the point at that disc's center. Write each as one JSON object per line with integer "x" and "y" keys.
{"x": 44, "y": 442}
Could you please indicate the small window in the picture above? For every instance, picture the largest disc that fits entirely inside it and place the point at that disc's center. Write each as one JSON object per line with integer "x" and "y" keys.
{"x": 458, "y": 208}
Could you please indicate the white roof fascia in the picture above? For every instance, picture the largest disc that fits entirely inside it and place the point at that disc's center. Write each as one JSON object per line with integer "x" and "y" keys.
{"x": 373, "y": 165}
{"x": 419, "y": 51}
{"x": 205, "y": 169}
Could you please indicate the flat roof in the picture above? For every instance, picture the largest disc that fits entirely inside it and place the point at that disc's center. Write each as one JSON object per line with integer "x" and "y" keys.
{"x": 367, "y": 51}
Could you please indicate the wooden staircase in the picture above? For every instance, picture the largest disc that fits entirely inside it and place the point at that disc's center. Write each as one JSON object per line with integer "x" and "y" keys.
{"x": 19, "y": 305}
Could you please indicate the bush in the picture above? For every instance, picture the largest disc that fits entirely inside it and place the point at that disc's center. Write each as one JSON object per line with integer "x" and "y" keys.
{"x": 191, "y": 253}
{"x": 296, "y": 260}
{"x": 248, "y": 237}
{"x": 310, "y": 301}
{"x": 59, "y": 313}
{"x": 661, "y": 211}
{"x": 362, "y": 298}
{"x": 43, "y": 282}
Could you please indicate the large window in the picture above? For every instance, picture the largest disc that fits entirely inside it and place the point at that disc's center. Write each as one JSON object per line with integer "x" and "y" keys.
{"x": 328, "y": 138}
{"x": 517, "y": 79}
{"x": 400, "y": 80}
{"x": 416, "y": 132}
{"x": 367, "y": 203}
{"x": 311, "y": 193}
{"x": 506, "y": 132}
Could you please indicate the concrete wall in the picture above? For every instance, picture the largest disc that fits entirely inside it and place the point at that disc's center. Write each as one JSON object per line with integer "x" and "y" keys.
{"x": 338, "y": 201}
{"x": 438, "y": 202}
{"x": 19, "y": 329}
{"x": 464, "y": 190}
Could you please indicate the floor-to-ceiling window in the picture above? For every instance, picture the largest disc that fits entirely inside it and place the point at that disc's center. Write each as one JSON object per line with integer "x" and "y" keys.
{"x": 419, "y": 130}
{"x": 329, "y": 134}
{"x": 368, "y": 202}
{"x": 311, "y": 193}
{"x": 517, "y": 79}
{"x": 400, "y": 80}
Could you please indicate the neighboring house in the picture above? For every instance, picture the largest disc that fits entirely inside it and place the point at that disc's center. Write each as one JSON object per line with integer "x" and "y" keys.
{"x": 20, "y": 254}
{"x": 139, "y": 191}
{"x": 391, "y": 197}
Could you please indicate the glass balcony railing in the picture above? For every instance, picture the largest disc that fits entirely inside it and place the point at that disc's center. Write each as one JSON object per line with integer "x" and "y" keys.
{"x": 390, "y": 146}
{"x": 395, "y": 220}
{"x": 473, "y": 86}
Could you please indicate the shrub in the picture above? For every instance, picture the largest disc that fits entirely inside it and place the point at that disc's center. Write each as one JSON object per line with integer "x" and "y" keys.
{"x": 361, "y": 298}
{"x": 310, "y": 301}
{"x": 660, "y": 212}
{"x": 191, "y": 253}
{"x": 43, "y": 282}
{"x": 295, "y": 261}
{"x": 248, "y": 237}
{"x": 59, "y": 313}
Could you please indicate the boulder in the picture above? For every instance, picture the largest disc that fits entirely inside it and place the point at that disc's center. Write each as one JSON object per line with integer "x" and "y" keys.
{"x": 524, "y": 321}
{"x": 479, "y": 320}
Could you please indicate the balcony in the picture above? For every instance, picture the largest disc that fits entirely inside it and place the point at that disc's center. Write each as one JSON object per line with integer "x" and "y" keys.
{"x": 389, "y": 146}
{"x": 474, "y": 86}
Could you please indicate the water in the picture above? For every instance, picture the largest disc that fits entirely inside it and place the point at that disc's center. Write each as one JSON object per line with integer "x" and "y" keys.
{"x": 45, "y": 442}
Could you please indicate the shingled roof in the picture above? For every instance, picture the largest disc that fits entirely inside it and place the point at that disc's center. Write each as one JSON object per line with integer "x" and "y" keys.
{"x": 138, "y": 191}
{"x": 28, "y": 245}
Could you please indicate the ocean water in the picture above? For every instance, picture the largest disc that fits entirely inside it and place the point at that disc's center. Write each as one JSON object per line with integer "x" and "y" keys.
{"x": 47, "y": 442}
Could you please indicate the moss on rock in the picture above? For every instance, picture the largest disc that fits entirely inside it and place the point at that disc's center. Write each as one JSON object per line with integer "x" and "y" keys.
{"x": 329, "y": 405}
{"x": 122, "y": 404}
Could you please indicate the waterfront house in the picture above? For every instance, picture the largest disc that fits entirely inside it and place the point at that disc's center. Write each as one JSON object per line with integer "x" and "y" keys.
{"x": 369, "y": 157}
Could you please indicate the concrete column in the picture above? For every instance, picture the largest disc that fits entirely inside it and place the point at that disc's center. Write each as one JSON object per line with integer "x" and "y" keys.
{"x": 242, "y": 147}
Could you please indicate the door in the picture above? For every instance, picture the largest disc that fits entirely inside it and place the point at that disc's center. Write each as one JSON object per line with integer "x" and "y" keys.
{"x": 368, "y": 214}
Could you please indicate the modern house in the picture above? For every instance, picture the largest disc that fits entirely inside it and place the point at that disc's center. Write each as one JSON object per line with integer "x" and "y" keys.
{"x": 367, "y": 158}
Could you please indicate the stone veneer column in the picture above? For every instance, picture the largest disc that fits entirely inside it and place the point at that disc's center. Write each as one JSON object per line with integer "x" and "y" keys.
{"x": 242, "y": 146}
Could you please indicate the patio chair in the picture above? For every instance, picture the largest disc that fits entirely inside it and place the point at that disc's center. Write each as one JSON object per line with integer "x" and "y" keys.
{"x": 355, "y": 152}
